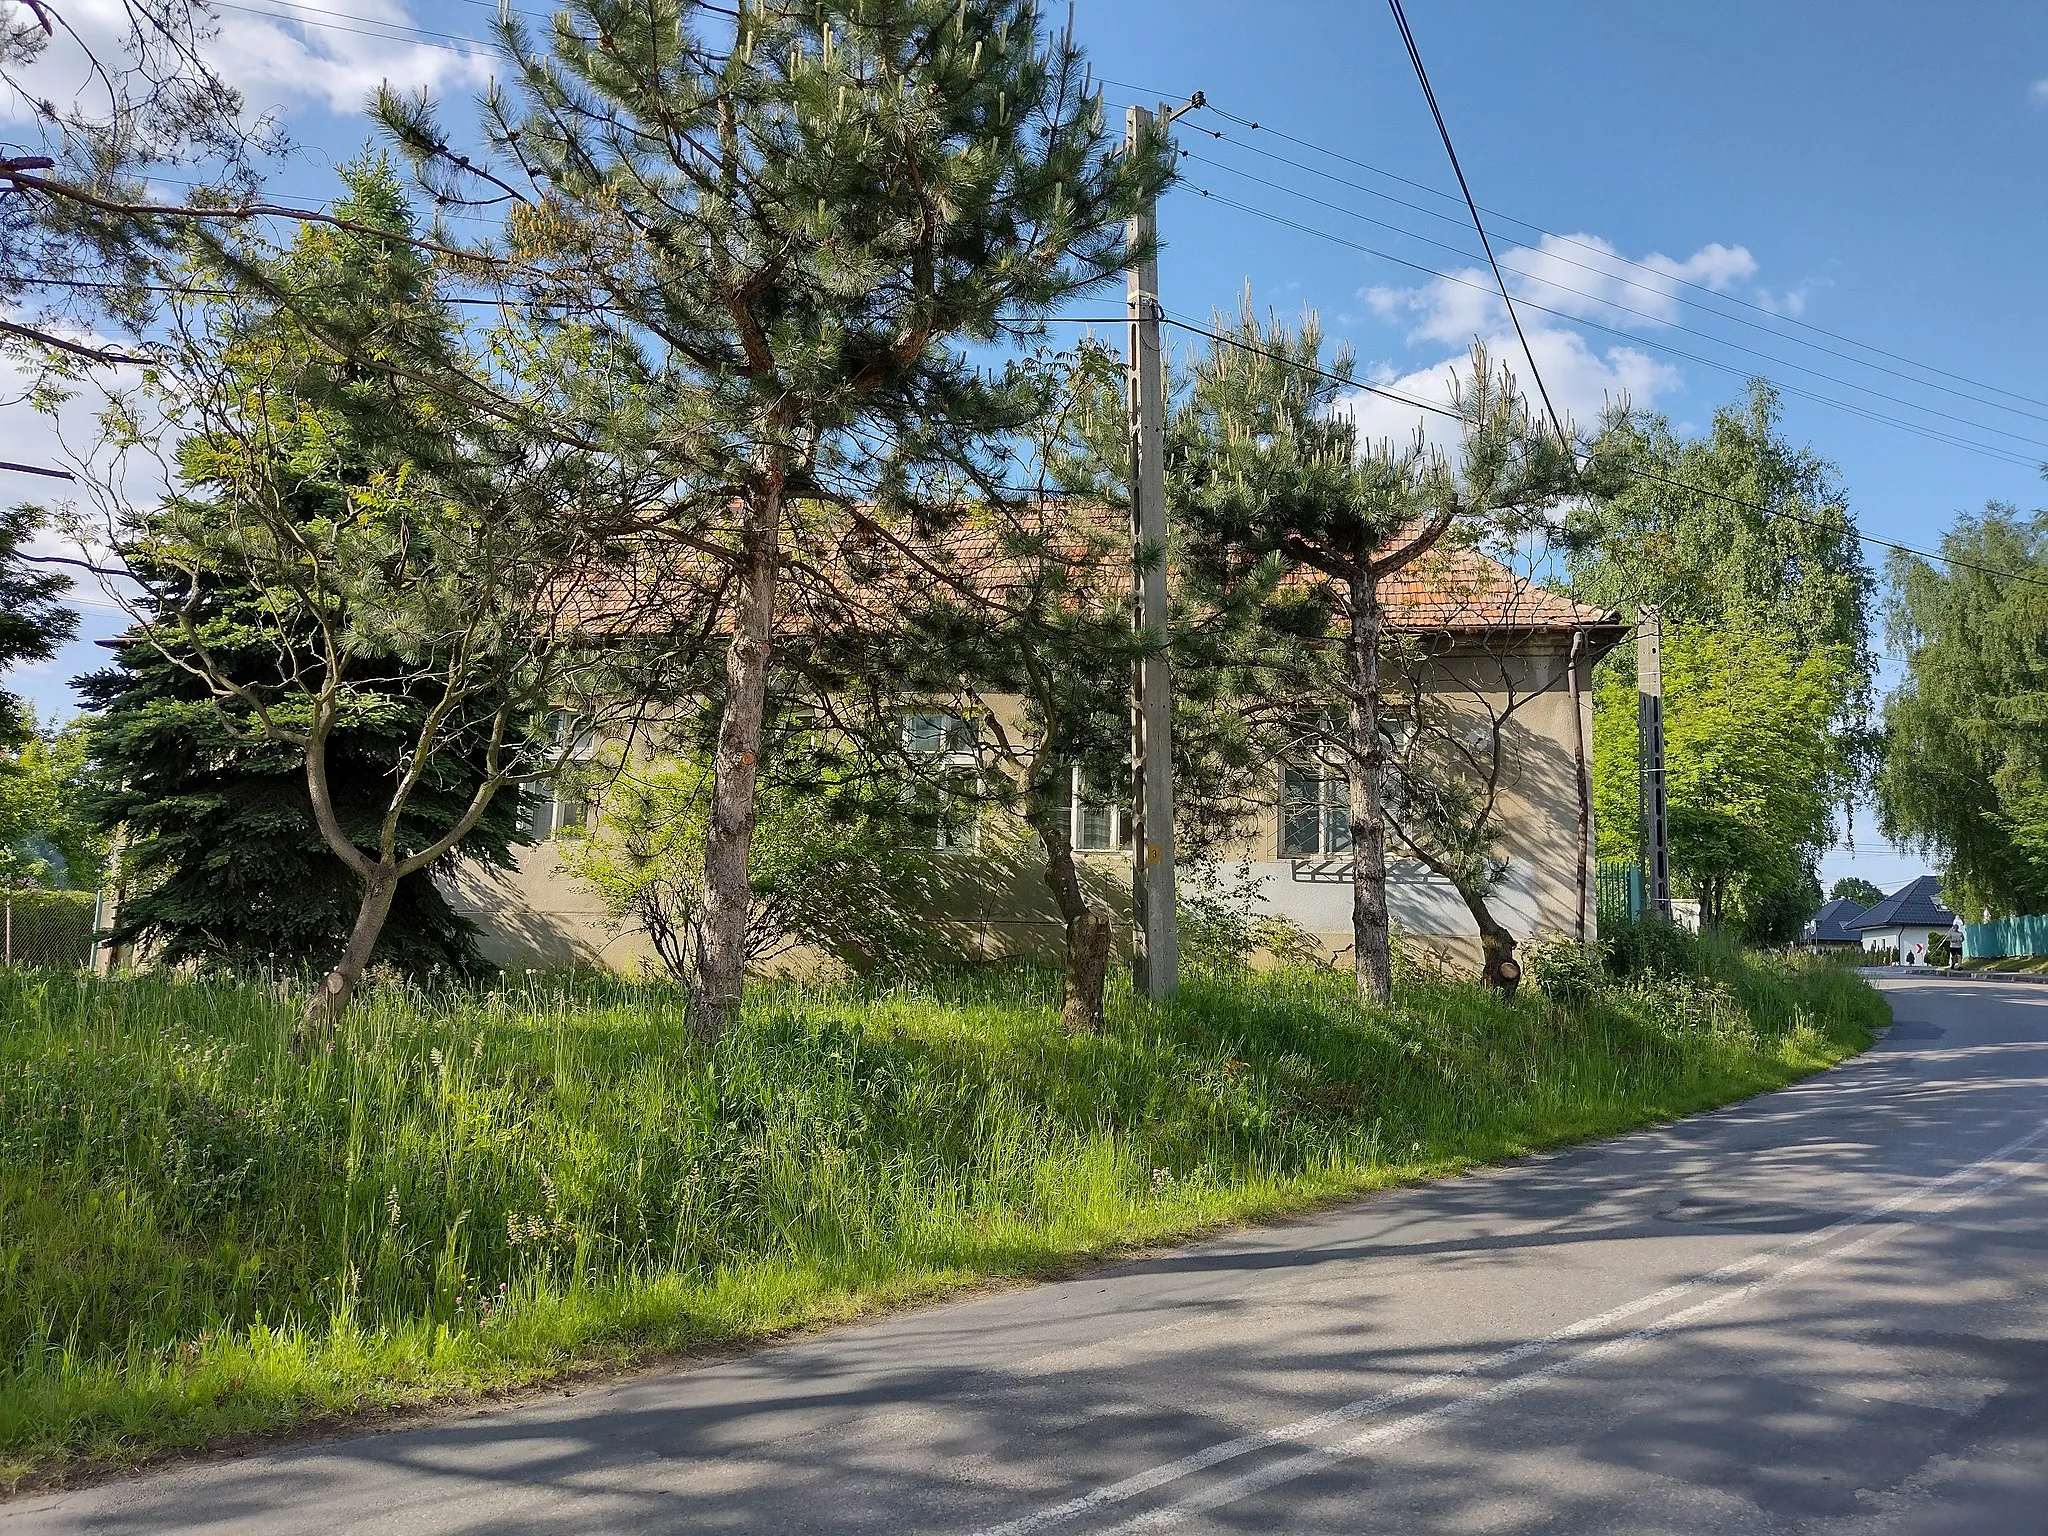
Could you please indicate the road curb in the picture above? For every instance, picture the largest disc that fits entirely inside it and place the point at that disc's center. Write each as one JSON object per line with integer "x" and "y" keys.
{"x": 2038, "y": 978}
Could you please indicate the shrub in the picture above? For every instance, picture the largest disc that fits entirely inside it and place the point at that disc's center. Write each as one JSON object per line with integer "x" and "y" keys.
{"x": 1651, "y": 946}
{"x": 1570, "y": 974}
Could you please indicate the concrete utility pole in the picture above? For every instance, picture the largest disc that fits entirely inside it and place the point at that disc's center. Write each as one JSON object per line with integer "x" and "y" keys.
{"x": 1654, "y": 828}
{"x": 1155, "y": 930}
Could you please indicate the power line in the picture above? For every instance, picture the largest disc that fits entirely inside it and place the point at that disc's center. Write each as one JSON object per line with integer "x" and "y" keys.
{"x": 1603, "y": 272}
{"x": 1931, "y": 433}
{"x": 1254, "y": 125}
{"x": 1721, "y": 341}
{"x": 1951, "y": 561}
{"x": 1444, "y": 132}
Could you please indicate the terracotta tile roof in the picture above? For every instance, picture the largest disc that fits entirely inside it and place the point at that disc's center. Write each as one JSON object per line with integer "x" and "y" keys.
{"x": 1451, "y": 590}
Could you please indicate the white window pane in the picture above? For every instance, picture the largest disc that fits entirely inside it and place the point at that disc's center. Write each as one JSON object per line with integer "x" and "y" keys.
{"x": 1097, "y": 828}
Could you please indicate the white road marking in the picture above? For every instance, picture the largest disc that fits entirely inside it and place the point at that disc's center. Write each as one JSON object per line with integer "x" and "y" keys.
{"x": 1367, "y": 1407}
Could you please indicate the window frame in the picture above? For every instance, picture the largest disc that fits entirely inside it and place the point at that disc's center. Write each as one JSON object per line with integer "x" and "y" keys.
{"x": 1078, "y": 807}
{"x": 1331, "y": 808}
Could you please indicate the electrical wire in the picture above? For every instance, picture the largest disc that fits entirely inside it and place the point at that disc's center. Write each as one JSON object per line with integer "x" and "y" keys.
{"x": 1444, "y": 131}
{"x": 1252, "y": 124}
{"x": 1988, "y": 450}
{"x": 1772, "y": 358}
{"x": 1891, "y": 545}
{"x": 1669, "y": 279}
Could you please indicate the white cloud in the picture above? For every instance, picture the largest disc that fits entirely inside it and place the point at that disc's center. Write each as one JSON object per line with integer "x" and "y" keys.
{"x": 277, "y": 62}
{"x": 1581, "y": 275}
{"x": 286, "y": 62}
{"x": 1580, "y": 380}
{"x": 2039, "y": 91}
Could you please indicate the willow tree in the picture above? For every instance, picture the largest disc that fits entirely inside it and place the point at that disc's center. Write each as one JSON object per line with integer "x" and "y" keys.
{"x": 1268, "y": 469}
{"x": 795, "y": 218}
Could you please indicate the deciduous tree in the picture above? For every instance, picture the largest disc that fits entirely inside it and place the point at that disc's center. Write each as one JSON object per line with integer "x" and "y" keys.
{"x": 1964, "y": 771}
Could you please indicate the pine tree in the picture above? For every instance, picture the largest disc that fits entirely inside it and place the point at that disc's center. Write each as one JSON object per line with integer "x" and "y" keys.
{"x": 793, "y": 219}
{"x": 1267, "y": 472}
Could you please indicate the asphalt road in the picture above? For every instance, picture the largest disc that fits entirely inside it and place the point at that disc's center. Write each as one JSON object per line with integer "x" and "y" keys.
{"x": 1819, "y": 1311}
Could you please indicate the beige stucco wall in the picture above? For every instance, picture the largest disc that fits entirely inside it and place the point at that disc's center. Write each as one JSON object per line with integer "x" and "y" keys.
{"x": 994, "y": 902}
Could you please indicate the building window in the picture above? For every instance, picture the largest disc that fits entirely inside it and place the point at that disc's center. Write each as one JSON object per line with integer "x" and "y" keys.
{"x": 551, "y": 810}
{"x": 1094, "y": 826}
{"x": 561, "y": 804}
{"x": 938, "y": 736}
{"x": 944, "y": 746}
{"x": 1315, "y": 811}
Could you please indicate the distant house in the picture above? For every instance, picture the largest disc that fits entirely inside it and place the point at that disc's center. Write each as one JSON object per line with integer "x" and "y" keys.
{"x": 1832, "y": 927}
{"x": 1906, "y": 923}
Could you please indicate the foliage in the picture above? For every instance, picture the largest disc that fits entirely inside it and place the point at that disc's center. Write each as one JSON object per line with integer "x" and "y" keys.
{"x": 400, "y": 556}
{"x": 827, "y": 864}
{"x": 798, "y": 236}
{"x": 1855, "y": 888}
{"x": 1965, "y": 768}
{"x": 48, "y": 836}
{"x": 34, "y": 620}
{"x": 290, "y": 483}
{"x": 100, "y": 106}
{"x": 1753, "y": 767}
{"x": 224, "y": 863}
{"x": 1650, "y": 946}
{"x": 484, "y": 1186}
{"x": 1745, "y": 543}
{"x": 1571, "y": 974}
{"x": 1766, "y": 531}
{"x": 1285, "y": 512}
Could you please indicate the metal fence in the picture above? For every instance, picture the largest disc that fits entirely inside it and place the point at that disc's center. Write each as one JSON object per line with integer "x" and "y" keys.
{"x": 1620, "y": 891}
{"x": 47, "y": 929}
{"x": 2008, "y": 936}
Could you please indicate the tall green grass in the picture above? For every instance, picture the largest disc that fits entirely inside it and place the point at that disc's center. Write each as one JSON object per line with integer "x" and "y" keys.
{"x": 202, "y": 1234}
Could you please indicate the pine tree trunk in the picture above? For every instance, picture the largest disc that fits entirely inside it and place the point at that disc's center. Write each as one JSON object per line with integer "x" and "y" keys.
{"x": 1500, "y": 970}
{"x": 1371, "y": 932}
{"x": 719, "y": 967}
{"x": 1087, "y": 926}
{"x": 327, "y": 1004}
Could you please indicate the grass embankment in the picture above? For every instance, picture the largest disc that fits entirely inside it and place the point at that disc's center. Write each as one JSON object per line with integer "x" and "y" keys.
{"x": 201, "y": 1235}
{"x": 2029, "y": 965}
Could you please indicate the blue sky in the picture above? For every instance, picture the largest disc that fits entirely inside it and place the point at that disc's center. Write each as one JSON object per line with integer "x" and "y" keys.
{"x": 1871, "y": 170}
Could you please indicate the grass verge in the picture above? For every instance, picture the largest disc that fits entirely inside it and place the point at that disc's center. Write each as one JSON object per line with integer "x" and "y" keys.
{"x": 203, "y": 1237}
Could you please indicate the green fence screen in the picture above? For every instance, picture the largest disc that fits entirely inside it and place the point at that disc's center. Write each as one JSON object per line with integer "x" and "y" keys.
{"x": 2007, "y": 936}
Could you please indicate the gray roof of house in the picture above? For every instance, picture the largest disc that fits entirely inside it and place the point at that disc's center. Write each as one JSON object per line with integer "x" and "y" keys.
{"x": 1830, "y": 925}
{"x": 1917, "y": 905}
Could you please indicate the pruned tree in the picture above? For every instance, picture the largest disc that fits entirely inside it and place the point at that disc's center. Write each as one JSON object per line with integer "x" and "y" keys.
{"x": 790, "y": 219}
{"x": 1456, "y": 745}
{"x": 429, "y": 579}
{"x": 1268, "y": 468}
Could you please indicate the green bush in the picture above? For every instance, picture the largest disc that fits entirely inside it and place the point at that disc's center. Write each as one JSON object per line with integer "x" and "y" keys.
{"x": 1570, "y": 974}
{"x": 1651, "y": 946}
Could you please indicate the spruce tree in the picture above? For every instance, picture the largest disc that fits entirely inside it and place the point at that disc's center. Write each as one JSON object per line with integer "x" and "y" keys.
{"x": 792, "y": 219}
{"x": 226, "y": 866}
{"x": 227, "y": 862}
